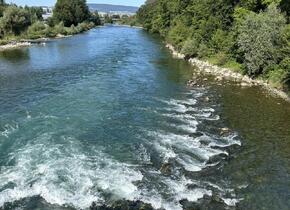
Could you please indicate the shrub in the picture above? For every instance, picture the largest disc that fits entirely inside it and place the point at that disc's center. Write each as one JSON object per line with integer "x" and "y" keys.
{"x": 203, "y": 50}
{"x": 190, "y": 48}
{"x": 219, "y": 59}
{"x": 50, "y": 32}
{"x": 178, "y": 34}
{"x": 59, "y": 28}
{"x": 221, "y": 41}
{"x": 36, "y": 30}
{"x": 234, "y": 65}
{"x": 277, "y": 77}
{"x": 71, "y": 30}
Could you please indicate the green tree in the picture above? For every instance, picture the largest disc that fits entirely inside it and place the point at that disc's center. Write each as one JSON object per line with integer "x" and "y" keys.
{"x": 15, "y": 20}
{"x": 260, "y": 38}
{"x": 35, "y": 13}
{"x": 71, "y": 12}
{"x": 248, "y": 34}
{"x": 95, "y": 18}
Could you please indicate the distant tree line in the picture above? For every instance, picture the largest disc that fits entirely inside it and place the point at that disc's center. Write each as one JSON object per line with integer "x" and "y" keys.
{"x": 69, "y": 17}
{"x": 251, "y": 36}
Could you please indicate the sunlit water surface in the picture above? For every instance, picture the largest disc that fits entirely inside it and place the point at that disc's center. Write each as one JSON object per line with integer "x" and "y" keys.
{"x": 106, "y": 115}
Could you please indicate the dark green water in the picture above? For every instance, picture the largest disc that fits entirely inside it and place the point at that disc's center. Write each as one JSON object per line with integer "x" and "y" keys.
{"x": 106, "y": 115}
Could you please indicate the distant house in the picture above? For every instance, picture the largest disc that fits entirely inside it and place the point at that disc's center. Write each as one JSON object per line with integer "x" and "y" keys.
{"x": 47, "y": 12}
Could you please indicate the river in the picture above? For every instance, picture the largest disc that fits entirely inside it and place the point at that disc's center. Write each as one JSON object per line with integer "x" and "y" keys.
{"x": 106, "y": 115}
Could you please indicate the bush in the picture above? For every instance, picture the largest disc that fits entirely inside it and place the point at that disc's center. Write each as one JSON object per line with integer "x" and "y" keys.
{"x": 277, "y": 77}
{"x": 59, "y": 28}
{"x": 219, "y": 59}
{"x": 234, "y": 65}
{"x": 221, "y": 41}
{"x": 190, "y": 48}
{"x": 71, "y": 30}
{"x": 50, "y": 32}
{"x": 178, "y": 34}
{"x": 203, "y": 50}
{"x": 36, "y": 30}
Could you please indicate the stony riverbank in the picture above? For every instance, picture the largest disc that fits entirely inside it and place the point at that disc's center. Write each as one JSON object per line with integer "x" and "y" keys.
{"x": 29, "y": 42}
{"x": 14, "y": 45}
{"x": 221, "y": 73}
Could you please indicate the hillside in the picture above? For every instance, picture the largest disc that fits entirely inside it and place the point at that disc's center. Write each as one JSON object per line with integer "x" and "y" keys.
{"x": 112, "y": 8}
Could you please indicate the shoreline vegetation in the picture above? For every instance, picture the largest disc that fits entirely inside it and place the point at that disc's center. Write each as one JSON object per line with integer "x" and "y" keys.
{"x": 222, "y": 73}
{"x": 245, "y": 40}
{"x": 23, "y": 26}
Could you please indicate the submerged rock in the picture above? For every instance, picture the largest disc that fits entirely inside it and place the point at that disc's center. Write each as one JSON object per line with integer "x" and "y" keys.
{"x": 206, "y": 99}
{"x": 166, "y": 168}
{"x": 224, "y": 131}
{"x": 213, "y": 202}
{"x": 191, "y": 83}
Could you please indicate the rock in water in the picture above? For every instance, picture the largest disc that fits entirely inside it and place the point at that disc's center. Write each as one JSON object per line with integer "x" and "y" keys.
{"x": 166, "y": 168}
{"x": 224, "y": 131}
{"x": 123, "y": 205}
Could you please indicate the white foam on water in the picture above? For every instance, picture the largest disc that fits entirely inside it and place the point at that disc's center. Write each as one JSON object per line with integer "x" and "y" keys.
{"x": 176, "y": 190}
{"x": 9, "y": 129}
{"x": 176, "y": 102}
{"x": 63, "y": 175}
{"x": 179, "y": 189}
{"x": 224, "y": 142}
{"x": 186, "y": 143}
{"x": 231, "y": 201}
{"x": 166, "y": 152}
{"x": 187, "y": 128}
{"x": 67, "y": 175}
{"x": 189, "y": 163}
{"x": 186, "y": 105}
{"x": 143, "y": 155}
{"x": 181, "y": 106}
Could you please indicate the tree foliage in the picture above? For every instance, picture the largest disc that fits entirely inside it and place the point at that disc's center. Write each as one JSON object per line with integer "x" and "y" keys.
{"x": 71, "y": 12}
{"x": 15, "y": 20}
{"x": 260, "y": 38}
{"x": 71, "y": 17}
{"x": 253, "y": 33}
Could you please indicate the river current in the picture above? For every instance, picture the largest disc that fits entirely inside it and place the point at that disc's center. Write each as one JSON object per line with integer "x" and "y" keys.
{"x": 106, "y": 115}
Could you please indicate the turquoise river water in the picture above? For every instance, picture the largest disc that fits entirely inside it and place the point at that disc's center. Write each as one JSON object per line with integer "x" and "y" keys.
{"x": 106, "y": 116}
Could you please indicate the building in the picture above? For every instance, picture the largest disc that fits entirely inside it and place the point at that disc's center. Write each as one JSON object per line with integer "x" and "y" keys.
{"x": 47, "y": 12}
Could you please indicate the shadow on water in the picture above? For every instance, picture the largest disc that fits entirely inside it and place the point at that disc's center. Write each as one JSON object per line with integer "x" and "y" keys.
{"x": 15, "y": 55}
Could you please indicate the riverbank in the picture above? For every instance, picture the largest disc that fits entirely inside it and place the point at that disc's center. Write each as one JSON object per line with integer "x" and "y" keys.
{"x": 14, "y": 44}
{"x": 28, "y": 42}
{"x": 221, "y": 73}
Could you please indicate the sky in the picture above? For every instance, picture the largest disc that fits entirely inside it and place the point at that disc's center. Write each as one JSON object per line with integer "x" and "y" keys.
{"x": 52, "y": 2}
